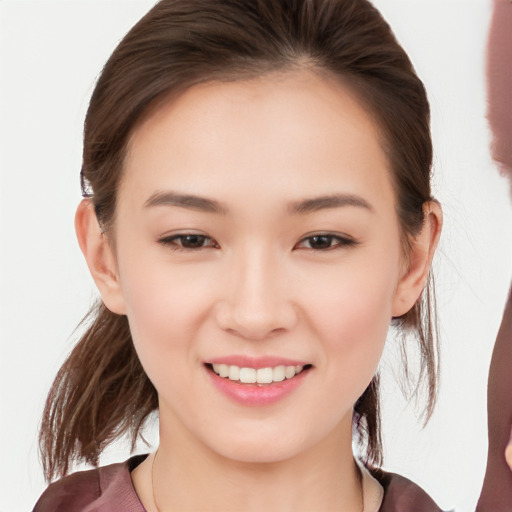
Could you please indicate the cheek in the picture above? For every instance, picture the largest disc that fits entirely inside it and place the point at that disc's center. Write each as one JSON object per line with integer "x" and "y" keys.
{"x": 352, "y": 318}
{"x": 164, "y": 307}
{"x": 355, "y": 324}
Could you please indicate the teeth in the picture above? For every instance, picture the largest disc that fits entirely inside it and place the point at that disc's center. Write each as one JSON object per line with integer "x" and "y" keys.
{"x": 260, "y": 376}
{"x": 264, "y": 376}
{"x": 278, "y": 374}
{"x": 247, "y": 375}
{"x": 234, "y": 373}
{"x": 289, "y": 372}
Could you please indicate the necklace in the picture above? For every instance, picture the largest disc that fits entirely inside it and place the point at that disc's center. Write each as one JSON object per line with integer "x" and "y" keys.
{"x": 158, "y": 509}
{"x": 153, "y": 481}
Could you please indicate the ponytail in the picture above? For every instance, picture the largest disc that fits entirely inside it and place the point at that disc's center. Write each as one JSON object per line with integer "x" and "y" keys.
{"x": 100, "y": 393}
{"x": 367, "y": 423}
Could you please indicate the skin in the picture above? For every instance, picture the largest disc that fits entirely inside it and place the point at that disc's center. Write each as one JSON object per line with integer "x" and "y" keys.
{"x": 258, "y": 286}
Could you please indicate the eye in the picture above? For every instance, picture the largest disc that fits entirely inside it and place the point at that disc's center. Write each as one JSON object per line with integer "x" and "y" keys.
{"x": 188, "y": 241}
{"x": 325, "y": 241}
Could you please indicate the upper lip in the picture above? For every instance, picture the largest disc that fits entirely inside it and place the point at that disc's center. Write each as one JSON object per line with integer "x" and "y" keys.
{"x": 256, "y": 362}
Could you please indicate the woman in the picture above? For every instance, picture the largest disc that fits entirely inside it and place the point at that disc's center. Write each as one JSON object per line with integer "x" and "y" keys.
{"x": 257, "y": 213}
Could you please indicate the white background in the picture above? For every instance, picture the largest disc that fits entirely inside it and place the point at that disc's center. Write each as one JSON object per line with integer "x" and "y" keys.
{"x": 50, "y": 54}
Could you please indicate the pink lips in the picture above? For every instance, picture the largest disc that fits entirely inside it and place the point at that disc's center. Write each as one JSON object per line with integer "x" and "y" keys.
{"x": 256, "y": 362}
{"x": 256, "y": 394}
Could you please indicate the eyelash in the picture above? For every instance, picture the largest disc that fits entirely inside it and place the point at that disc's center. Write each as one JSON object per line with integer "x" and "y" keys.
{"x": 176, "y": 242}
{"x": 341, "y": 241}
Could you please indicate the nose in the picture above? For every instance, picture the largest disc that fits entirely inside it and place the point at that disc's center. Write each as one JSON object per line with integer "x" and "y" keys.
{"x": 256, "y": 302}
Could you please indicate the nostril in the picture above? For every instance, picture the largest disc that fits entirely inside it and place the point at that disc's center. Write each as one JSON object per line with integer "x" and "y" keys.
{"x": 256, "y": 319}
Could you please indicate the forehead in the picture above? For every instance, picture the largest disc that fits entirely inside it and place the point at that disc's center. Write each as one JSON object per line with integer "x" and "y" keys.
{"x": 296, "y": 131}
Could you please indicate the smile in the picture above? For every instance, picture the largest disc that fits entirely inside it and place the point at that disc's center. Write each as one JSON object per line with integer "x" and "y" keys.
{"x": 247, "y": 375}
{"x": 257, "y": 381}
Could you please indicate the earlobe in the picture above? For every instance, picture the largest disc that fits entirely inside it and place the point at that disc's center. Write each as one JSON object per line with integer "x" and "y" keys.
{"x": 99, "y": 256}
{"x": 422, "y": 251}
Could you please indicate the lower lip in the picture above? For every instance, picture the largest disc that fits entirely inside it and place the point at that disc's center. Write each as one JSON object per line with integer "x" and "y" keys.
{"x": 253, "y": 394}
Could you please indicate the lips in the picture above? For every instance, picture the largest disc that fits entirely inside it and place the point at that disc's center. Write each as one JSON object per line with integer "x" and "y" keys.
{"x": 247, "y": 375}
{"x": 259, "y": 381}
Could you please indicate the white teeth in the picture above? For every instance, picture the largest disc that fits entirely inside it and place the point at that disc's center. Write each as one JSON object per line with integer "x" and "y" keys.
{"x": 260, "y": 376}
{"x": 247, "y": 375}
{"x": 289, "y": 372}
{"x": 221, "y": 369}
{"x": 264, "y": 376}
{"x": 278, "y": 374}
{"x": 234, "y": 373}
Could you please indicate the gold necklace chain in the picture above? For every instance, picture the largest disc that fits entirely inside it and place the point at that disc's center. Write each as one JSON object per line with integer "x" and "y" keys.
{"x": 153, "y": 481}
{"x": 158, "y": 509}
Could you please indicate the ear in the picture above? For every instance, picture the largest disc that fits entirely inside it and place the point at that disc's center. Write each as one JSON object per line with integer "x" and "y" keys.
{"x": 100, "y": 257}
{"x": 423, "y": 246}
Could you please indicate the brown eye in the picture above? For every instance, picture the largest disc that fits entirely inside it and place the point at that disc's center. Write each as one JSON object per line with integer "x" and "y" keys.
{"x": 324, "y": 242}
{"x": 321, "y": 241}
{"x": 189, "y": 241}
{"x": 193, "y": 241}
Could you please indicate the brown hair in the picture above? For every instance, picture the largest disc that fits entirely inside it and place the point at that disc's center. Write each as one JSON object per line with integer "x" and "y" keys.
{"x": 101, "y": 392}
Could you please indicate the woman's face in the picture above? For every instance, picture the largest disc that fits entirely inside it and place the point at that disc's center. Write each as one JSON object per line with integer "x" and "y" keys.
{"x": 255, "y": 229}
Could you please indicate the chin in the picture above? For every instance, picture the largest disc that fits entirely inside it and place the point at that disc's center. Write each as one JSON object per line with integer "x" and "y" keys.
{"x": 258, "y": 445}
{"x": 270, "y": 452}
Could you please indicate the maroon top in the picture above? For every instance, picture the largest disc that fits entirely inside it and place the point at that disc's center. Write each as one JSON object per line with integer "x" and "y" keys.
{"x": 499, "y": 83}
{"x": 110, "y": 489}
{"x": 497, "y": 489}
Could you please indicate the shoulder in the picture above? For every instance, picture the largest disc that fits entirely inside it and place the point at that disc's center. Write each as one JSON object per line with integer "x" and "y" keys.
{"x": 402, "y": 495}
{"x": 104, "y": 489}
{"x": 73, "y": 492}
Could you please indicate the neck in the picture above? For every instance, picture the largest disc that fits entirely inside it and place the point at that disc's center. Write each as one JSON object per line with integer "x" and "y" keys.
{"x": 189, "y": 476}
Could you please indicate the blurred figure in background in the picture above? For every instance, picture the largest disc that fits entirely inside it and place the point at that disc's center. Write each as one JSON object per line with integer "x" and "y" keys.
{"x": 497, "y": 489}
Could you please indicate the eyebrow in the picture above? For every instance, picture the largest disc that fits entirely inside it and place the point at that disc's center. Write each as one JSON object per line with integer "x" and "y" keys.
{"x": 204, "y": 204}
{"x": 329, "y": 201}
{"x": 189, "y": 201}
